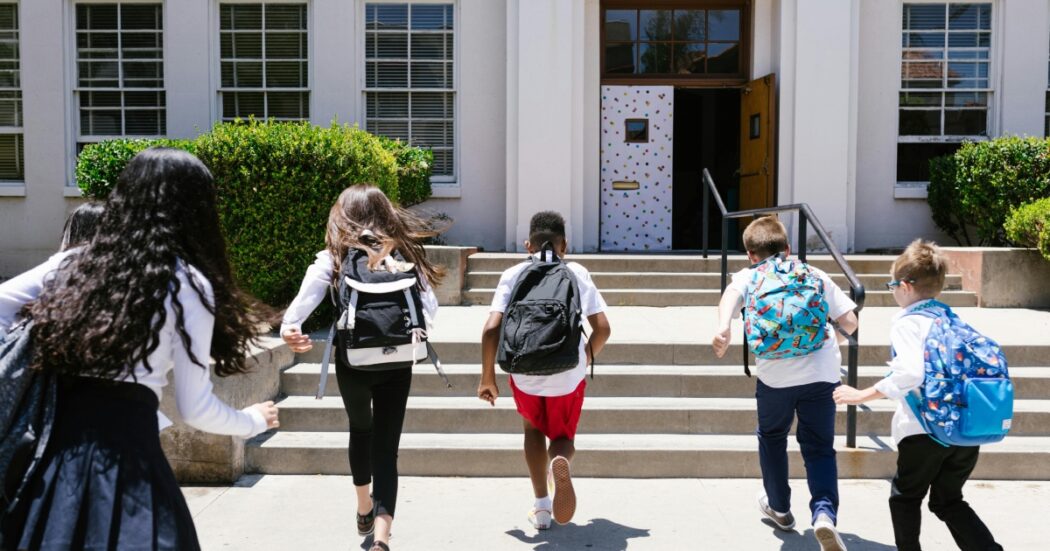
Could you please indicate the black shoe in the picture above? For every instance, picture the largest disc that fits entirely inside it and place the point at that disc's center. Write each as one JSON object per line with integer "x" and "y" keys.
{"x": 366, "y": 524}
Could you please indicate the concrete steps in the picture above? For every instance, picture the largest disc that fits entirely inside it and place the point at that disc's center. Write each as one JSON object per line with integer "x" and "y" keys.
{"x": 686, "y": 280}
{"x": 619, "y": 455}
{"x": 710, "y": 297}
{"x": 497, "y": 262}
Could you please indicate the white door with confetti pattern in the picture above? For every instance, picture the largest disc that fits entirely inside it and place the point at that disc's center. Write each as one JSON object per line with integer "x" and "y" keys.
{"x": 636, "y": 157}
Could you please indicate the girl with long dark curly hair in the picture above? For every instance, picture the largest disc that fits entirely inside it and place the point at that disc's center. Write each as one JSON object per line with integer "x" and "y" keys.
{"x": 150, "y": 293}
{"x": 364, "y": 224}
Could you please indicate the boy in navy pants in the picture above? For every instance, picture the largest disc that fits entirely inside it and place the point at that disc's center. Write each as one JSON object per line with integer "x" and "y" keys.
{"x": 793, "y": 387}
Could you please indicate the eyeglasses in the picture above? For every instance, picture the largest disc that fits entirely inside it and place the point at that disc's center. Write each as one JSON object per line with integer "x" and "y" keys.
{"x": 897, "y": 283}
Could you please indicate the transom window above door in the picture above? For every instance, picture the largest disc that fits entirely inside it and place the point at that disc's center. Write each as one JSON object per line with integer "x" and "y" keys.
{"x": 675, "y": 42}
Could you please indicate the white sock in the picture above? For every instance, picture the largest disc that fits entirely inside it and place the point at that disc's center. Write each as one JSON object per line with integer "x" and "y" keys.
{"x": 544, "y": 503}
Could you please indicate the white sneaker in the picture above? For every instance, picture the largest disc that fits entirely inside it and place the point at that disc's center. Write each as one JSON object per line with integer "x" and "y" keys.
{"x": 827, "y": 535}
{"x": 564, "y": 494}
{"x": 783, "y": 521}
{"x": 540, "y": 518}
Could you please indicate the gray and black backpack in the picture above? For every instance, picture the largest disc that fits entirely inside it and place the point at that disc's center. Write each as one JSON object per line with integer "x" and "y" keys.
{"x": 381, "y": 323}
{"x": 543, "y": 324}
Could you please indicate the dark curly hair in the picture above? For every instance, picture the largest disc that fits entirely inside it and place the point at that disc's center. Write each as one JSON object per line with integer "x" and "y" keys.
{"x": 103, "y": 311}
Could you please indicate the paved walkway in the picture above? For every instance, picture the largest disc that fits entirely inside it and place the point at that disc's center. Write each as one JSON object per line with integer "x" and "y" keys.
{"x": 316, "y": 513}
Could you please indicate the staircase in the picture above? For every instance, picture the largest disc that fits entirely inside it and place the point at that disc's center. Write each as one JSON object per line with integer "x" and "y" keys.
{"x": 661, "y": 404}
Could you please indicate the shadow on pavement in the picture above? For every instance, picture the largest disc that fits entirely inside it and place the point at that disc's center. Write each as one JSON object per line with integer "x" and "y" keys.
{"x": 598, "y": 535}
{"x": 794, "y": 541}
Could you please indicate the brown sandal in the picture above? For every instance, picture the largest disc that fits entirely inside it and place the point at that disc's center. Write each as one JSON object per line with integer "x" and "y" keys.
{"x": 379, "y": 546}
{"x": 366, "y": 524}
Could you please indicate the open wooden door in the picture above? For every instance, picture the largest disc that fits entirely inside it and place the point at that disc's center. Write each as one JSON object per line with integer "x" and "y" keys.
{"x": 757, "y": 145}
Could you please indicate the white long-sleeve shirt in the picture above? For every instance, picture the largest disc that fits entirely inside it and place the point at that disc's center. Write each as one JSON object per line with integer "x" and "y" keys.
{"x": 315, "y": 286}
{"x": 197, "y": 404}
{"x": 907, "y": 368}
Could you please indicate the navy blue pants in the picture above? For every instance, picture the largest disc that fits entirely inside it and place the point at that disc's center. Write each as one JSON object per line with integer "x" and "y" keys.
{"x": 815, "y": 409}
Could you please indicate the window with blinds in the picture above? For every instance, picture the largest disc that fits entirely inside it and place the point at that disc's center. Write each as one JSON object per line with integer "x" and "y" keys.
{"x": 264, "y": 61}
{"x": 409, "y": 88}
{"x": 945, "y": 82}
{"x": 120, "y": 70}
{"x": 12, "y": 158}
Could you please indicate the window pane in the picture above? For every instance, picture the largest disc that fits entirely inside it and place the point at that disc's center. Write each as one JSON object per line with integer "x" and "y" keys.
{"x": 386, "y": 16}
{"x": 431, "y": 105}
{"x": 286, "y": 74}
{"x": 431, "y": 75}
{"x": 96, "y": 16}
{"x": 430, "y": 133}
{"x": 689, "y": 25}
{"x": 690, "y": 58}
{"x": 723, "y": 25}
{"x": 248, "y": 74}
{"x": 920, "y": 123}
{"x": 144, "y": 99}
{"x": 655, "y": 58}
{"x": 970, "y": 122}
{"x": 285, "y": 16}
{"x": 288, "y": 105}
{"x": 11, "y": 157}
{"x": 655, "y": 24}
{"x": 429, "y": 17}
{"x": 442, "y": 163}
{"x": 397, "y": 130}
{"x": 389, "y": 75}
{"x": 9, "y": 16}
{"x": 100, "y": 123}
{"x": 284, "y": 46}
{"x": 621, "y": 25}
{"x": 923, "y": 70}
{"x": 969, "y": 16}
{"x": 387, "y": 105}
{"x": 723, "y": 58}
{"x": 924, "y": 16}
{"x": 100, "y": 99}
{"x": 913, "y": 159}
{"x": 246, "y": 16}
{"x": 429, "y": 46}
{"x": 920, "y": 99}
{"x": 11, "y": 108}
{"x": 143, "y": 122}
{"x": 247, "y": 45}
{"x": 140, "y": 16}
{"x": 387, "y": 46}
{"x": 924, "y": 40}
{"x": 242, "y": 104}
{"x": 619, "y": 58}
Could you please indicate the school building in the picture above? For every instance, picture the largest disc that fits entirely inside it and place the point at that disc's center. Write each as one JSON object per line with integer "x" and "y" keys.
{"x": 606, "y": 110}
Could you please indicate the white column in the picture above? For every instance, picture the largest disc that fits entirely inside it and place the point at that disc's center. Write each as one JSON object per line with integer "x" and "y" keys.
{"x": 190, "y": 29}
{"x": 545, "y": 119}
{"x": 336, "y": 62}
{"x": 818, "y": 128}
{"x": 1022, "y": 82}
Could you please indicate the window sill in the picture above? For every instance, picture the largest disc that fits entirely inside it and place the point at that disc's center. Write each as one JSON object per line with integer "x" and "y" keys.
{"x": 445, "y": 191}
{"x": 12, "y": 190}
{"x": 71, "y": 191}
{"x": 910, "y": 190}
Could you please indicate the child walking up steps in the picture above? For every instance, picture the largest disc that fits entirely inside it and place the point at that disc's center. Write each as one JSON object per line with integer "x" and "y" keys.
{"x": 535, "y": 332}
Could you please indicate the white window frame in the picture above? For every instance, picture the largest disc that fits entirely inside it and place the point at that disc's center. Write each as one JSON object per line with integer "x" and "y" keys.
{"x": 917, "y": 189}
{"x": 72, "y": 85}
{"x": 216, "y": 47}
{"x": 442, "y": 186}
{"x": 7, "y": 130}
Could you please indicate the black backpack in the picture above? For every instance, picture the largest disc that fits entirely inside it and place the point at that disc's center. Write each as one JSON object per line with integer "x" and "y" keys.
{"x": 380, "y": 324}
{"x": 543, "y": 324}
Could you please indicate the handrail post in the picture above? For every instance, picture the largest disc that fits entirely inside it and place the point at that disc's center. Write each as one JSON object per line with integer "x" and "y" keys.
{"x": 703, "y": 218}
{"x": 851, "y": 380}
{"x": 725, "y": 251}
{"x": 802, "y": 235}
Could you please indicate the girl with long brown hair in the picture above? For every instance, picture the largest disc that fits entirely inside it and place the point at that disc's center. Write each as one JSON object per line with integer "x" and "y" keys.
{"x": 364, "y": 221}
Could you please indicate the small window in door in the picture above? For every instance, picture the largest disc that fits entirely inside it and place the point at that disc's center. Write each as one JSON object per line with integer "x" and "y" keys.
{"x": 636, "y": 131}
{"x": 755, "y": 127}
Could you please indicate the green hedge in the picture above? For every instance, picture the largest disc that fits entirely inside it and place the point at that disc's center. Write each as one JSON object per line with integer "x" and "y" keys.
{"x": 276, "y": 183}
{"x": 1029, "y": 226}
{"x": 414, "y": 166}
{"x": 991, "y": 179}
{"x": 943, "y": 197}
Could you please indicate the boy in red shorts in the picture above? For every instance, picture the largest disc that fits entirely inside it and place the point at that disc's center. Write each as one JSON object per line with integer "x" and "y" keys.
{"x": 549, "y": 404}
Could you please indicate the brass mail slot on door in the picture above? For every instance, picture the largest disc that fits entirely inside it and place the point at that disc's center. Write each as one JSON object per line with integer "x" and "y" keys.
{"x": 625, "y": 185}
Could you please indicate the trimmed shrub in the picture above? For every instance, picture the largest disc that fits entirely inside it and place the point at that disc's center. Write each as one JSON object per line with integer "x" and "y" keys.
{"x": 994, "y": 177}
{"x": 99, "y": 164}
{"x": 1029, "y": 226}
{"x": 943, "y": 197}
{"x": 414, "y": 165}
{"x": 276, "y": 183}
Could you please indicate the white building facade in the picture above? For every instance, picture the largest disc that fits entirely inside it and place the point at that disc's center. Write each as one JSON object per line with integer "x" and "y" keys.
{"x": 605, "y": 110}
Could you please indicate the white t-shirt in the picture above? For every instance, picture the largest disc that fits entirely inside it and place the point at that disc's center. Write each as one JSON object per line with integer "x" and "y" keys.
{"x": 907, "y": 368}
{"x": 821, "y": 366}
{"x": 591, "y": 302}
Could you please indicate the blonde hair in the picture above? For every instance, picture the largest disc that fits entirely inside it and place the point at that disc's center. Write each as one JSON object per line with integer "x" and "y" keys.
{"x": 765, "y": 237}
{"x": 363, "y": 218}
{"x": 923, "y": 265}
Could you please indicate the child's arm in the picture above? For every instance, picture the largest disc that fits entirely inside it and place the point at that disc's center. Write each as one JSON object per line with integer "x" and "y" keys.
{"x": 487, "y": 389}
{"x": 312, "y": 291}
{"x": 600, "y": 331}
{"x": 906, "y": 369}
{"x": 731, "y": 302}
{"x": 848, "y": 323}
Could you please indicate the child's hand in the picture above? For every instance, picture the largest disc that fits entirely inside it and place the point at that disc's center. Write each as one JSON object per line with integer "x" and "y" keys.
{"x": 269, "y": 412}
{"x": 720, "y": 342}
{"x": 847, "y": 395}
{"x": 297, "y": 341}
{"x": 488, "y": 392}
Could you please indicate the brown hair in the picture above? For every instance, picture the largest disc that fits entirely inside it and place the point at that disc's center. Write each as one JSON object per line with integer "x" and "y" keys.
{"x": 364, "y": 208}
{"x": 765, "y": 237}
{"x": 923, "y": 265}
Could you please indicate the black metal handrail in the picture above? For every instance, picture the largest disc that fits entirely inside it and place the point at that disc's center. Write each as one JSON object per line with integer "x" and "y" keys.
{"x": 806, "y": 218}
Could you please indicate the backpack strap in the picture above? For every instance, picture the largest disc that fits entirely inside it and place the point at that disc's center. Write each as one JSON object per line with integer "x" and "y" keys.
{"x": 325, "y": 360}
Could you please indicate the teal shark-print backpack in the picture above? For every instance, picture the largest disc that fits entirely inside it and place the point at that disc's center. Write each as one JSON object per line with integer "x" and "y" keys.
{"x": 968, "y": 397}
{"x": 785, "y": 312}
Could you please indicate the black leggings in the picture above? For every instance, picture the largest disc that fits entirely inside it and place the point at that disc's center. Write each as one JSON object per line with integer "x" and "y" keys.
{"x": 375, "y": 403}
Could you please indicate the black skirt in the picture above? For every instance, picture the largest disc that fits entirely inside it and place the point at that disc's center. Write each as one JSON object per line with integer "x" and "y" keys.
{"x": 103, "y": 483}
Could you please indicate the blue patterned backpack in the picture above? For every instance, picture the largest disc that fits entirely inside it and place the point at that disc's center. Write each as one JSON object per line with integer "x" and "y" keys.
{"x": 968, "y": 398}
{"x": 785, "y": 312}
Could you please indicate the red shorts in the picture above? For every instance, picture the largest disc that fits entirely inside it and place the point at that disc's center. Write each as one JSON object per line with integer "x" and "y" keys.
{"x": 555, "y": 416}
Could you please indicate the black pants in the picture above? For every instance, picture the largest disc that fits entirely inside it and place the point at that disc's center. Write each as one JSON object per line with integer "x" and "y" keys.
{"x": 924, "y": 464}
{"x": 375, "y": 403}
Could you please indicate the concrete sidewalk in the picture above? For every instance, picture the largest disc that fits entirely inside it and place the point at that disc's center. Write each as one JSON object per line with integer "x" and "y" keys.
{"x": 265, "y": 513}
